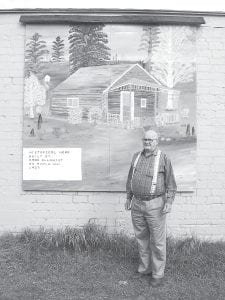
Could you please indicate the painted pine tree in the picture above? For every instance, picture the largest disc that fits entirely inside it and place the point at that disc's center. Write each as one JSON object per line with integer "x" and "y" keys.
{"x": 149, "y": 42}
{"x": 35, "y": 51}
{"x": 58, "y": 49}
{"x": 88, "y": 46}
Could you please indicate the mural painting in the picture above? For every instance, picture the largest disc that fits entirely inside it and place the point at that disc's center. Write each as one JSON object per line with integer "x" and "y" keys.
{"x": 90, "y": 90}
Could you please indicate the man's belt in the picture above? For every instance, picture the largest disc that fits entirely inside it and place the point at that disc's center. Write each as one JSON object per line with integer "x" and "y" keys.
{"x": 148, "y": 198}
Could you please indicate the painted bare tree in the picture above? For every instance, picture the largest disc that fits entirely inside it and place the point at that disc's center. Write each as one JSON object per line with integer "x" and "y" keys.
{"x": 173, "y": 59}
{"x": 34, "y": 94}
{"x": 88, "y": 46}
{"x": 58, "y": 49}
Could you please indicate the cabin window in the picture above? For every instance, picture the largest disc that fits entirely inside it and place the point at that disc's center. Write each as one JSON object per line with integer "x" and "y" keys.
{"x": 143, "y": 103}
{"x": 73, "y": 102}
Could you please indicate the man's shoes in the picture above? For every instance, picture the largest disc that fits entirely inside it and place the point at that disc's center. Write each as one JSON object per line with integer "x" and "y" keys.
{"x": 139, "y": 275}
{"x": 156, "y": 282}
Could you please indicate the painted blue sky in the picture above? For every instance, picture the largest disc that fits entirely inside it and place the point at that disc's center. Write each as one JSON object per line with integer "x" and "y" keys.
{"x": 124, "y": 40}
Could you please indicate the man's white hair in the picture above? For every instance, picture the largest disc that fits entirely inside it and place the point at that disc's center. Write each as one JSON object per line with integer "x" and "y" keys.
{"x": 153, "y": 132}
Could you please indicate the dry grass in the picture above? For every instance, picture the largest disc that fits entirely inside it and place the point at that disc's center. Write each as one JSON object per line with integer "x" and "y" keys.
{"x": 90, "y": 264}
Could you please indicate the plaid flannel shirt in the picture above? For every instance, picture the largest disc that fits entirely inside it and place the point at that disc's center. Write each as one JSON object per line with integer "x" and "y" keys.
{"x": 140, "y": 184}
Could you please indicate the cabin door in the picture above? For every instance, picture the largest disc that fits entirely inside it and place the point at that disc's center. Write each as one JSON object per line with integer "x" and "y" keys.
{"x": 126, "y": 106}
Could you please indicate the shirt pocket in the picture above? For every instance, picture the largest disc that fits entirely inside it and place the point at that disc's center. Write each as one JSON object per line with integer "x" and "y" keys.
{"x": 161, "y": 169}
{"x": 161, "y": 166}
{"x": 150, "y": 172}
{"x": 137, "y": 170}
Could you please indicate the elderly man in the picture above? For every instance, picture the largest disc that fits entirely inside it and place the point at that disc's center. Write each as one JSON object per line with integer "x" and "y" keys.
{"x": 151, "y": 189}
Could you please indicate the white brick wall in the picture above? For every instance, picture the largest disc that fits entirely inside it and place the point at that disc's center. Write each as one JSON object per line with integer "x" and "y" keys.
{"x": 201, "y": 213}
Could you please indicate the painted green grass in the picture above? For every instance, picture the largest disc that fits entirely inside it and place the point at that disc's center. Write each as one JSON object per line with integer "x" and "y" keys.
{"x": 90, "y": 264}
{"x": 114, "y": 147}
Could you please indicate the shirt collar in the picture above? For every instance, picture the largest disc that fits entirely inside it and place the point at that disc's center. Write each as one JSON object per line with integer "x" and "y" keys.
{"x": 150, "y": 153}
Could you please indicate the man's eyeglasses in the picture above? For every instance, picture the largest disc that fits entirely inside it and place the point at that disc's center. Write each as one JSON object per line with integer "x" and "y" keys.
{"x": 148, "y": 140}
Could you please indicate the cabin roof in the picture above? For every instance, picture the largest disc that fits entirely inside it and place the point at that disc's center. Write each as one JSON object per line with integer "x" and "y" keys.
{"x": 105, "y": 77}
{"x": 93, "y": 77}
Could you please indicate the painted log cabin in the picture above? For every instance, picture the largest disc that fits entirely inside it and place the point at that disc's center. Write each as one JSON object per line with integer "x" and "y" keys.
{"x": 122, "y": 94}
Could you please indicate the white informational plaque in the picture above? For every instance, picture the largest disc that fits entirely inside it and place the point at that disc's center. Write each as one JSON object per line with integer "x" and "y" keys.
{"x": 52, "y": 164}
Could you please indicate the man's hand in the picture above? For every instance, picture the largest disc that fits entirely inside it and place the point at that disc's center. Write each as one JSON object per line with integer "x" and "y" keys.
{"x": 167, "y": 208}
{"x": 128, "y": 204}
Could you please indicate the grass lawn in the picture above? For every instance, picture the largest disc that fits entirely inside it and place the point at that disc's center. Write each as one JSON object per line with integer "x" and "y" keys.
{"x": 89, "y": 264}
